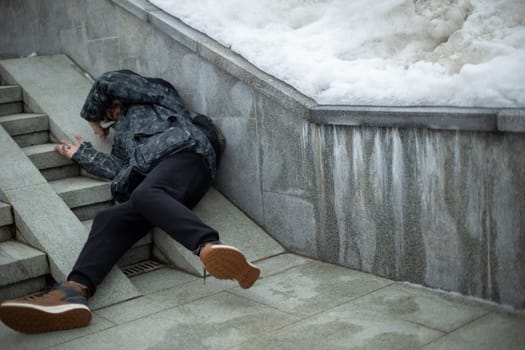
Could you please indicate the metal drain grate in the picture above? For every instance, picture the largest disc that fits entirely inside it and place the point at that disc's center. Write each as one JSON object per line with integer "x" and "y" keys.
{"x": 142, "y": 267}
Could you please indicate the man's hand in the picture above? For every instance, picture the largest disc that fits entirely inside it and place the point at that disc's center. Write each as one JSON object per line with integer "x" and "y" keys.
{"x": 68, "y": 149}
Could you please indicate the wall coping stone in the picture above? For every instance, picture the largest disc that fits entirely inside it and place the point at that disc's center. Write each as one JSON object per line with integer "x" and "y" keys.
{"x": 428, "y": 117}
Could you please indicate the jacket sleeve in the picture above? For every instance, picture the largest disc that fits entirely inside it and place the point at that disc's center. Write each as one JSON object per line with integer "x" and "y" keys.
{"x": 98, "y": 163}
{"x": 130, "y": 88}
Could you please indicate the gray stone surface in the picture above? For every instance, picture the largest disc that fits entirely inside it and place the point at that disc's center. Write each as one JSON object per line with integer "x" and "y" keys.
{"x": 234, "y": 227}
{"x": 55, "y": 86}
{"x": 6, "y": 233}
{"x": 292, "y": 221}
{"x": 6, "y": 215}
{"x": 336, "y": 329}
{"x": 100, "y": 19}
{"x": 88, "y": 212}
{"x": 44, "y": 156}
{"x": 511, "y": 120}
{"x": 21, "y": 289}
{"x": 494, "y": 331}
{"x": 310, "y": 288}
{"x": 24, "y": 123}
{"x": 280, "y": 263}
{"x": 178, "y": 311}
{"x": 103, "y": 55}
{"x": 14, "y": 159}
{"x": 240, "y": 168}
{"x": 427, "y": 207}
{"x": 10, "y": 93}
{"x": 139, "y": 8}
{"x": 35, "y": 138}
{"x": 421, "y": 306}
{"x": 20, "y": 262}
{"x": 10, "y": 108}
{"x": 62, "y": 172}
{"x": 81, "y": 191}
{"x": 442, "y": 118}
{"x": 175, "y": 29}
{"x": 183, "y": 327}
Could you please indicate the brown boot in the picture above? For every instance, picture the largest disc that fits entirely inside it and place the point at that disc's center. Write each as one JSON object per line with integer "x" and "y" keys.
{"x": 64, "y": 307}
{"x": 225, "y": 262}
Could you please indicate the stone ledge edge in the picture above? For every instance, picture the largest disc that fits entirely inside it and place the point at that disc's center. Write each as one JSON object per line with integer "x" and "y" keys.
{"x": 431, "y": 117}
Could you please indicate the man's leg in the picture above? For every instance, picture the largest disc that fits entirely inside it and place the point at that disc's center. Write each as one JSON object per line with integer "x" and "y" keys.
{"x": 168, "y": 193}
{"x": 165, "y": 198}
{"x": 113, "y": 232}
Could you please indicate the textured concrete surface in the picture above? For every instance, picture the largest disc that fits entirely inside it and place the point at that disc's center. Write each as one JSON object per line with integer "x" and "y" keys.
{"x": 440, "y": 209}
{"x": 298, "y": 304}
{"x": 14, "y": 159}
{"x": 10, "y": 94}
{"x": 511, "y": 120}
{"x": 6, "y": 215}
{"x": 54, "y": 85}
{"x": 24, "y": 123}
{"x": 44, "y": 156}
{"x": 10, "y": 108}
{"x": 234, "y": 227}
{"x": 81, "y": 191}
{"x": 442, "y": 118}
{"x": 20, "y": 262}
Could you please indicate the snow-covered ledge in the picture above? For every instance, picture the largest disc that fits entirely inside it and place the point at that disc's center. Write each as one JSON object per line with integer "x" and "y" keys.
{"x": 432, "y": 117}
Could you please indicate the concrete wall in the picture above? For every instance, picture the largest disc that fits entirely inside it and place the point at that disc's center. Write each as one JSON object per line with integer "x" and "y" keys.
{"x": 438, "y": 207}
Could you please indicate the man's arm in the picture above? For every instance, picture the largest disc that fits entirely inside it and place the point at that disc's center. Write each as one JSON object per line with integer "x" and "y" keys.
{"x": 94, "y": 162}
{"x": 97, "y": 163}
{"x": 129, "y": 88}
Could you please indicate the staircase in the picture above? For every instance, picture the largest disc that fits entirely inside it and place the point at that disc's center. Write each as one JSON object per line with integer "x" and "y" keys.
{"x": 48, "y": 204}
{"x": 23, "y": 268}
{"x": 39, "y": 237}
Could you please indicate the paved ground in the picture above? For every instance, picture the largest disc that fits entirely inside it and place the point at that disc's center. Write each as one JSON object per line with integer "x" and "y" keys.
{"x": 298, "y": 304}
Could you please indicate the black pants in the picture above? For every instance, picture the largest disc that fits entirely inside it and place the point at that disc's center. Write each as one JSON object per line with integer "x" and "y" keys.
{"x": 163, "y": 199}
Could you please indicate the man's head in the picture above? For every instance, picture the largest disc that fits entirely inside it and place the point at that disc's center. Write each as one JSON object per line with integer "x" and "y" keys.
{"x": 101, "y": 128}
{"x": 113, "y": 112}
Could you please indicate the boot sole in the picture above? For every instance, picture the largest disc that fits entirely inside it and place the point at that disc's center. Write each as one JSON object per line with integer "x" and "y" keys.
{"x": 35, "y": 319}
{"x": 224, "y": 262}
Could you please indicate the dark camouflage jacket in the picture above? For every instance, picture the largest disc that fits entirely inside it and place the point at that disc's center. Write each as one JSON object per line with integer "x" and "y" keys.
{"x": 154, "y": 123}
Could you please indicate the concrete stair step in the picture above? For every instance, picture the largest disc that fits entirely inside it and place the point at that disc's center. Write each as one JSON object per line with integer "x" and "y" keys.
{"x": 139, "y": 252}
{"x": 25, "y": 287}
{"x": 19, "y": 262}
{"x": 82, "y": 191}
{"x": 6, "y": 215}
{"x": 6, "y": 222}
{"x": 51, "y": 164}
{"x": 11, "y": 108}
{"x": 234, "y": 227}
{"x": 35, "y": 138}
{"x": 25, "y": 123}
{"x": 26, "y": 129}
{"x": 10, "y": 93}
{"x": 44, "y": 156}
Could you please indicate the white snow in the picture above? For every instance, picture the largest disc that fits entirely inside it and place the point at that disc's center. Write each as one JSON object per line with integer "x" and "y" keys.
{"x": 388, "y": 52}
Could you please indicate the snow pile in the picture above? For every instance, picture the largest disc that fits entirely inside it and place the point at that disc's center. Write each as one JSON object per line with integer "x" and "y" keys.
{"x": 389, "y": 52}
